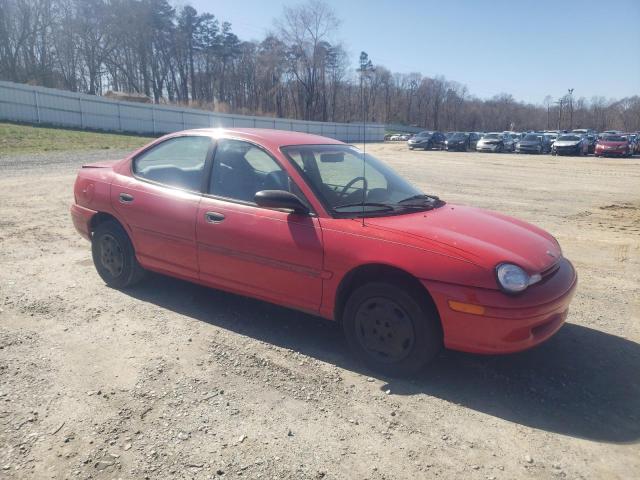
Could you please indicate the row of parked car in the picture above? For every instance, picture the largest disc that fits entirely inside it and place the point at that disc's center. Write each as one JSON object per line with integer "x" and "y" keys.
{"x": 574, "y": 142}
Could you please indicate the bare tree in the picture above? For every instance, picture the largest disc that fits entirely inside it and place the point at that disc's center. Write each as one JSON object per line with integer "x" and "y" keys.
{"x": 179, "y": 55}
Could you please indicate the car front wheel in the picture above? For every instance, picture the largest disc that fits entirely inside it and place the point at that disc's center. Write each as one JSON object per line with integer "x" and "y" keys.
{"x": 114, "y": 256}
{"x": 392, "y": 330}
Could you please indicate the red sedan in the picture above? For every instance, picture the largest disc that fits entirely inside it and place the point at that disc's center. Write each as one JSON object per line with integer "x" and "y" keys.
{"x": 613, "y": 145}
{"x": 313, "y": 224}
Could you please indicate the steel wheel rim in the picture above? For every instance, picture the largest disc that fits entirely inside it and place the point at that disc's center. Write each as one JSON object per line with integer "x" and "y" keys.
{"x": 111, "y": 255}
{"x": 384, "y": 329}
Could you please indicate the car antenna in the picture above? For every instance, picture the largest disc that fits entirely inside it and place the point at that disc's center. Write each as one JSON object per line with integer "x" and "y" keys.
{"x": 365, "y": 66}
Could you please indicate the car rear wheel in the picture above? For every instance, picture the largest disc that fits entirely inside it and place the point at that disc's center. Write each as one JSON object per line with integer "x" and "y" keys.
{"x": 392, "y": 330}
{"x": 114, "y": 256}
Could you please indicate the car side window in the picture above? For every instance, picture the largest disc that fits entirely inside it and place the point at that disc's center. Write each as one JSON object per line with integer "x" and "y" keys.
{"x": 177, "y": 162}
{"x": 241, "y": 169}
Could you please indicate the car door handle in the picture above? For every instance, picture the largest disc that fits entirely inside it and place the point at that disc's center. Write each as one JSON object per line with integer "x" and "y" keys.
{"x": 213, "y": 217}
{"x": 126, "y": 198}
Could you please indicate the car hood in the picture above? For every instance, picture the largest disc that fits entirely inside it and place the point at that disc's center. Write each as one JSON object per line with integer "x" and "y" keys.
{"x": 529, "y": 143}
{"x": 613, "y": 144}
{"x": 419, "y": 139}
{"x": 482, "y": 237}
{"x": 566, "y": 143}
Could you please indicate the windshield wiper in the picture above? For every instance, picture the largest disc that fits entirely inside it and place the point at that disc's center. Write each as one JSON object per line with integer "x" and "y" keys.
{"x": 381, "y": 206}
{"x": 420, "y": 196}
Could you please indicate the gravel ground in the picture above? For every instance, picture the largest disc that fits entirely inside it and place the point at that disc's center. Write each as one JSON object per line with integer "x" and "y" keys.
{"x": 173, "y": 380}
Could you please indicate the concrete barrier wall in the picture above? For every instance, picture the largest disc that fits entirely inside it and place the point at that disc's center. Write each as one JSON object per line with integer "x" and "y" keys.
{"x": 39, "y": 105}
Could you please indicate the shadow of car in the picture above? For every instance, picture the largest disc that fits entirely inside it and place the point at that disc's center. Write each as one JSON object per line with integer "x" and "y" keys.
{"x": 583, "y": 382}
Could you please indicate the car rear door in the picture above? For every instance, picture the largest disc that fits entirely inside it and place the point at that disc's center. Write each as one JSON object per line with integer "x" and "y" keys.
{"x": 159, "y": 201}
{"x": 270, "y": 254}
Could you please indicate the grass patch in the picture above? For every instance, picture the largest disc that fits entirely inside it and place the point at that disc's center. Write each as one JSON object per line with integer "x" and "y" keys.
{"x": 16, "y": 138}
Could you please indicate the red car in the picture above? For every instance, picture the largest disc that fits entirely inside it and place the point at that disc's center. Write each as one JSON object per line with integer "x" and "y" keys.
{"x": 613, "y": 145}
{"x": 302, "y": 221}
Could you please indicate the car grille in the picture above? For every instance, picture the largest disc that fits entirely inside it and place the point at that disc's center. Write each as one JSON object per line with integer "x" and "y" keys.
{"x": 550, "y": 271}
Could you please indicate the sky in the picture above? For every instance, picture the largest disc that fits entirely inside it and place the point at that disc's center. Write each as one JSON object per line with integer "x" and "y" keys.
{"x": 529, "y": 49}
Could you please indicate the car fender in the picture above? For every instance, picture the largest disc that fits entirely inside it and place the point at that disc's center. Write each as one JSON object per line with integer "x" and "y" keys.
{"x": 353, "y": 245}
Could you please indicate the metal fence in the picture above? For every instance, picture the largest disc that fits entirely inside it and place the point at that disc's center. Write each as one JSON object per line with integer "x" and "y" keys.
{"x": 26, "y": 103}
{"x": 396, "y": 127}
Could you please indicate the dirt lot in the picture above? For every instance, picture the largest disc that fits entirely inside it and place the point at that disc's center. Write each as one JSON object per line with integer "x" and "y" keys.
{"x": 172, "y": 380}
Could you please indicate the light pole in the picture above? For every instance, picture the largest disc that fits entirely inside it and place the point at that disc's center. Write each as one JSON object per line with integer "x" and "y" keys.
{"x": 366, "y": 66}
{"x": 570, "y": 90}
{"x": 559, "y": 103}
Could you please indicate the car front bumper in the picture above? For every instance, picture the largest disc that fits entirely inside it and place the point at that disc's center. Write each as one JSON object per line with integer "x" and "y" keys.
{"x": 510, "y": 323}
{"x": 567, "y": 150}
{"x": 486, "y": 147}
{"x": 81, "y": 218}
{"x": 527, "y": 149}
{"x": 455, "y": 147}
{"x": 611, "y": 152}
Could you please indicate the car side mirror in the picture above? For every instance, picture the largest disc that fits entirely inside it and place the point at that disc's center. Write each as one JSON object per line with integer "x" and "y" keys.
{"x": 280, "y": 199}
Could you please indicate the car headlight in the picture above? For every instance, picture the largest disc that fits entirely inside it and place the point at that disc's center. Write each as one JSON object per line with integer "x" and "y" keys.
{"x": 514, "y": 279}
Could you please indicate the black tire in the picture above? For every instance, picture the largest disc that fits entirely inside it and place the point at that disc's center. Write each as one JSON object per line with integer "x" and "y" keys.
{"x": 499, "y": 148}
{"x": 399, "y": 315}
{"x": 114, "y": 256}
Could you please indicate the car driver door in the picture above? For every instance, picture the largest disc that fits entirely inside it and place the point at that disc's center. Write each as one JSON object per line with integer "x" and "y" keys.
{"x": 271, "y": 254}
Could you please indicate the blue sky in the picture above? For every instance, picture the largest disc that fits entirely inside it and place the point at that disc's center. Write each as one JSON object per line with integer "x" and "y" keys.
{"x": 527, "y": 48}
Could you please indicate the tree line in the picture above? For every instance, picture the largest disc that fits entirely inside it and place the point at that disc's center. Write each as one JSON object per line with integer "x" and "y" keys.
{"x": 178, "y": 55}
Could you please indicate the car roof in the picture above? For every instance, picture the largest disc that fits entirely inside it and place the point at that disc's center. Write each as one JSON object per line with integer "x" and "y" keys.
{"x": 266, "y": 136}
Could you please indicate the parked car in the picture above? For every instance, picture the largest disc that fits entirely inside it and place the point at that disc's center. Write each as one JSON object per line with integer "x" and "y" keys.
{"x": 613, "y": 145}
{"x": 533, "y": 143}
{"x": 494, "y": 142}
{"x": 570, "y": 144}
{"x": 395, "y": 137}
{"x": 591, "y": 142}
{"x": 271, "y": 215}
{"x": 635, "y": 142}
{"x": 462, "y": 141}
{"x": 583, "y": 131}
{"x": 427, "y": 140}
{"x": 551, "y": 139}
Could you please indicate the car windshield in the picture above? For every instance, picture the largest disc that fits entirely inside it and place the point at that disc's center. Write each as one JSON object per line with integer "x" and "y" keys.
{"x": 532, "y": 137}
{"x": 492, "y": 136}
{"x": 349, "y": 186}
{"x": 614, "y": 138}
{"x": 569, "y": 138}
{"x": 459, "y": 136}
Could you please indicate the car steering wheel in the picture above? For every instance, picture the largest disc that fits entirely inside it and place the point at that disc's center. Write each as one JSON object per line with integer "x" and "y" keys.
{"x": 343, "y": 192}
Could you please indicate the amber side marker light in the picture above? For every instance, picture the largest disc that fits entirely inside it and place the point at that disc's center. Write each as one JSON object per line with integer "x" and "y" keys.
{"x": 466, "y": 307}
